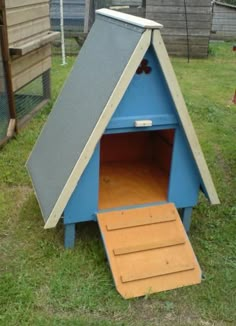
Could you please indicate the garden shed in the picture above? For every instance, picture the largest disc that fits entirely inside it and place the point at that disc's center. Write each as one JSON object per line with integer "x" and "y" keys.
{"x": 223, "y": 21}
{"x": 73, "y": 11}
{"x": 132, "y": 7}
{"x": 127, "y": 157}
{"x": 26, "y": 38}
{"x": 187, "y": 25}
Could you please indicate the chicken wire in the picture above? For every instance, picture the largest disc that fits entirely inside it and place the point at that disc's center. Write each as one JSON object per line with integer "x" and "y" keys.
{"x": 30, "y": 96}
{"x": 4, "y": 105}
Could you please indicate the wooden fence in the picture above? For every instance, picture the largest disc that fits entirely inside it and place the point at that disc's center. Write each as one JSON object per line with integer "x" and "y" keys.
{"x": 186, "y": 28}
{"x": 224, "y": 22}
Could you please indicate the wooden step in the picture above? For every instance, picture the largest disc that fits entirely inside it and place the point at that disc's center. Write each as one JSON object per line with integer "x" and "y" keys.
{"x": 148, "y": 246}
{"x": 137, "y": 275}
{"x": 139, "y": 222}
{"x": 148, "y": 250}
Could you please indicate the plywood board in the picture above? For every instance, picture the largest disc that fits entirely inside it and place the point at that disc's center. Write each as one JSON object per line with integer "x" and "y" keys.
{"x": 148, "y": 250}
{"x": 131, "y": 183}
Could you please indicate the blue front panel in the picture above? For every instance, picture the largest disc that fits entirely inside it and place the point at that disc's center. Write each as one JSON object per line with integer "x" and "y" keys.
{"x": 147, "y": 97}
{"x": 83, "y": 203}
{"x": 184, "y": 180}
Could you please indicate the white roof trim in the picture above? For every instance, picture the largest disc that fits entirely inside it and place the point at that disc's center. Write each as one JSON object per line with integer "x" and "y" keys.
{"x": 129, "y": 19}
{"x": 184, "y": 117}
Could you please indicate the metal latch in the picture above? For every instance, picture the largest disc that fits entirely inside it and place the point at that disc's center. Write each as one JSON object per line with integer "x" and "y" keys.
{"x": 143, "y": 123}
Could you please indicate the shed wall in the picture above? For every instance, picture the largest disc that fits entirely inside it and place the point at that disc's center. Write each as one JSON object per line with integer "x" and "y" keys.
{"x": 27, "y": 22}
{"x": 136, "y": 11}
{"x": 131, "y": 7}
{"x": 224, "y": 22}
{"x": 171, "y": 13}
{"x": 26, "y": 19}
{"x": 127, "y": 2}
{"x": 74, "y": 11}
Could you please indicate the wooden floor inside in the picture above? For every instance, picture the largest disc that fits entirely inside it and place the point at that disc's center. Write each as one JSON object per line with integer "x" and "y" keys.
{"x": 128, "y": 183}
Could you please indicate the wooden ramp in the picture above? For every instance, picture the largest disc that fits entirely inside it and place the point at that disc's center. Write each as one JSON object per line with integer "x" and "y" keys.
{"x": 148, "y": 250}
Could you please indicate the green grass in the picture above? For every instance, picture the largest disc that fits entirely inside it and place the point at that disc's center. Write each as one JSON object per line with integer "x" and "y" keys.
{"x": 43, "y": 284}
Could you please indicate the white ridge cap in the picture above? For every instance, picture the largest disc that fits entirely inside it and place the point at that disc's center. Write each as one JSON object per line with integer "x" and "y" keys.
{"x": 129, "y": 19}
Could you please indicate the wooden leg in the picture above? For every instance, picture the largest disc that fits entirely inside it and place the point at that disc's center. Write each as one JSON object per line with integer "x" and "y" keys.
{"x": 69, "y": 236}
{"x": 186, "y": 217}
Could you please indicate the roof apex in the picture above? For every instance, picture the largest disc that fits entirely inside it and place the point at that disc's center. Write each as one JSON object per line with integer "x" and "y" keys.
{"x": 129, "y": 19}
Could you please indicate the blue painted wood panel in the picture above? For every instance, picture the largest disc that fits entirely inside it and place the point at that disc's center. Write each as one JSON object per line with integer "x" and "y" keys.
{"x": 184, "y": 180}
{"x": 83, "y": 204}
{"x": 147, "y": 97}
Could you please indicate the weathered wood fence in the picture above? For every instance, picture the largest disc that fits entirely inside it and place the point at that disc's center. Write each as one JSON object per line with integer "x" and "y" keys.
{"x": 132, "y": 7}
{"x": 224, "y": 22}
{"x": 187, "y": 25}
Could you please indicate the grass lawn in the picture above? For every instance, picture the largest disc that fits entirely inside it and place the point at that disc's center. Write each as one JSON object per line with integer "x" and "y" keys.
{"x": 43, "y": 284}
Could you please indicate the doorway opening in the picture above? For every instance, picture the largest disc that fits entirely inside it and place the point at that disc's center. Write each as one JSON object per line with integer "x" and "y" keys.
{"x": 135, "y": 168}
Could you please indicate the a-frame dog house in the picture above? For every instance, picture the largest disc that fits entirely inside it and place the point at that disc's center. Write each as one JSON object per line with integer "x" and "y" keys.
{"x": 119, "y": 147}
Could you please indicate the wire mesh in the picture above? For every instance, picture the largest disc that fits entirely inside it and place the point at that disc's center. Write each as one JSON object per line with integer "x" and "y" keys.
{"x": 29, "y": 97}
{"x": 4, "y": 105}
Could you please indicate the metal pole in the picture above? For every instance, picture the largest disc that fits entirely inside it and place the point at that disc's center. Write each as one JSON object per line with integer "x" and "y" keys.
{"x": 63, "y": 51}
{"x": 187, "y": 31}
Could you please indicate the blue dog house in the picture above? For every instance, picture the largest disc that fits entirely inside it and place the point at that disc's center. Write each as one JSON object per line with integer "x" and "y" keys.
{"x": 119, "y": 148}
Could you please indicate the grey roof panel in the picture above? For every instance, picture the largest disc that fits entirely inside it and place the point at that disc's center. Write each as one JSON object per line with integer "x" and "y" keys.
{"x": 96, "y": 72}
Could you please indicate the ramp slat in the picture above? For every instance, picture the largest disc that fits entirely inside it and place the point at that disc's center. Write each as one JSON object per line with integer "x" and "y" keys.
{"x": 137, "y": 222}
{"x": 148, "y": 246}
{"x": 146, "y": 252}
{"x": 163, "y": 270}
